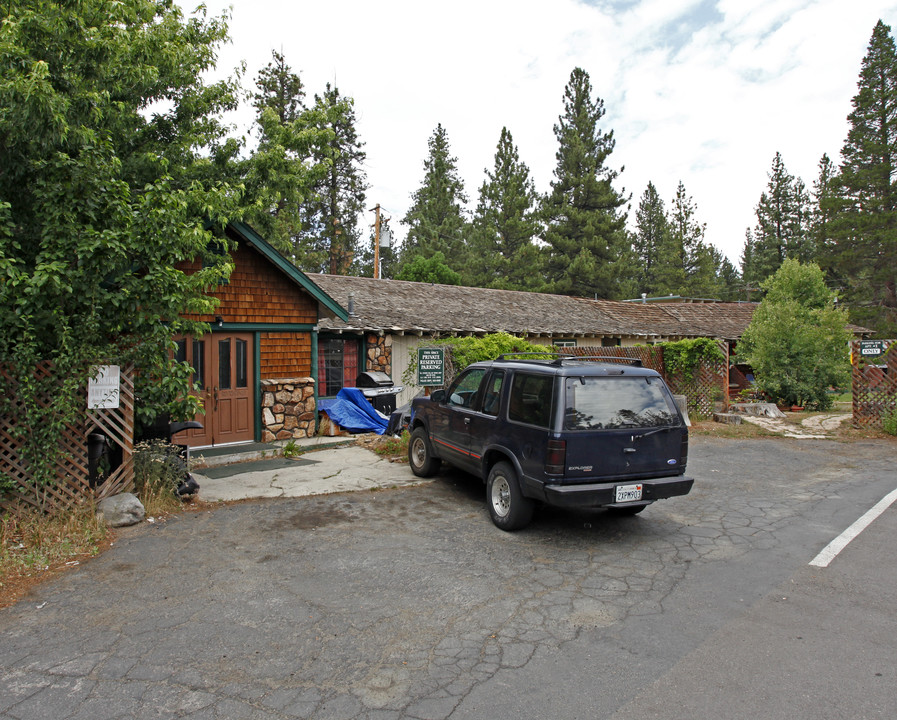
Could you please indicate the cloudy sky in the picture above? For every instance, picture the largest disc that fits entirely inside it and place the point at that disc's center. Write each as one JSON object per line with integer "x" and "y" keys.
{"x": 702, "y": 91}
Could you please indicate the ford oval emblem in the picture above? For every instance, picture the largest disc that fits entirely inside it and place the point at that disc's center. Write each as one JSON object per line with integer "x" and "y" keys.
{"x": 671, "y": 462}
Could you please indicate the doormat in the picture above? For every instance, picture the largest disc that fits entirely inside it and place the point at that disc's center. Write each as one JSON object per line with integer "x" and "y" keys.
{"x": 225, "y": 471}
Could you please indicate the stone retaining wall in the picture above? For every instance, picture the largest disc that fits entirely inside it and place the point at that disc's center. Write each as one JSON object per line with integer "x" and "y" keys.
{"x": 288, "y": 409}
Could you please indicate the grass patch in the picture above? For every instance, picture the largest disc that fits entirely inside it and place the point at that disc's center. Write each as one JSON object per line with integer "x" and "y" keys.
{"x": 33, "y": 545}
{"x": 392, "y": 448}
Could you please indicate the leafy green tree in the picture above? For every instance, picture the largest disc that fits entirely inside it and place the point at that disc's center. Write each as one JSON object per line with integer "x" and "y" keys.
{"x": 505, "y": 226}
{"x": 589, "y": 249}
{"x": 783, "y": 226}
{"x": 436, "y": 219}
{"x": 337, "y": 198}
{"x": 863, "y": 249}
{"x": 108, "y": 134}
{"x": 652, "y": 243}
{"x": 432, "y": 269}
{"x": 797, "y": 341}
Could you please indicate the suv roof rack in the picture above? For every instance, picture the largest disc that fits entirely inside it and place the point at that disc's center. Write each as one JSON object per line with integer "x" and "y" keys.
{"x": 557, "y": 358}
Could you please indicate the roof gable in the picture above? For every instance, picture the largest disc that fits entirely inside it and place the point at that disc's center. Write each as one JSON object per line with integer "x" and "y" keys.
{"x": 294, "y": 274}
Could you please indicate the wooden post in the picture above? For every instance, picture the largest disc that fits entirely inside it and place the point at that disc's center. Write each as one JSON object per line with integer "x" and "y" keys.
{"x": 377, "y": 243}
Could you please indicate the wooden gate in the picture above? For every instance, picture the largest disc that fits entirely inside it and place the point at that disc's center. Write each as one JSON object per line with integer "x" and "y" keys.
{"x": 874, "y": 384}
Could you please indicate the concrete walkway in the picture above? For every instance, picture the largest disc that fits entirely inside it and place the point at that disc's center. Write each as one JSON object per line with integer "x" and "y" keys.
{"x": 815, "y": 427}
{"x": 315, "y": 472}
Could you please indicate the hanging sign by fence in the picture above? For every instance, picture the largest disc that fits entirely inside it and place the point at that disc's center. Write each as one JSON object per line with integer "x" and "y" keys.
{"x": 872, "y": 348}
{"x": 103, "y": 388}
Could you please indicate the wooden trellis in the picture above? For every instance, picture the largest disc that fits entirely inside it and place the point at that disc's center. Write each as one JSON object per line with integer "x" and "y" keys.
{"x": 709, "y": 386}
{"x": 874, "y": 384}
{"x": 71, "y": 484}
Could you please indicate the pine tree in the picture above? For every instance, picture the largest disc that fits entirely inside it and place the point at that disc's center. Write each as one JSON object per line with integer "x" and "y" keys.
{"x": 436, "y": 219}
{"x": 782, "y": 229}
{"x": 864, "y": 231}
{"x": 279, "y": 176}
{"x": 330, "y": 216}
{"x": 825, "y": 206}
{"x": 505, "y": 225}
{"x": 280, "y": 89}
{"x": 695, "y": 264}
{"x": 590, "y": 252}
{"x": 652, "y": 242}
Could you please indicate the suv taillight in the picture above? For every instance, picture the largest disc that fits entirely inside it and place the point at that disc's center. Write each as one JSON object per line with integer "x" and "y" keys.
{"x": 556, "y": 457}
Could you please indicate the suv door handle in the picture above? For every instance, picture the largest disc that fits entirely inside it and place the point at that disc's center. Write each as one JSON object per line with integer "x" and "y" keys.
{"x": 628, "y": 450}
{"x": 467, "y": 421}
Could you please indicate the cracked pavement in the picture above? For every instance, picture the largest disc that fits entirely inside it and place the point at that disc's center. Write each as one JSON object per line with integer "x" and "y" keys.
{"x": 408, "y": 603}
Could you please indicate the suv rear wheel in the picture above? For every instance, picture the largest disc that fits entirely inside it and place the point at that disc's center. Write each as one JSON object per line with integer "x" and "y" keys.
{"x": 509, "y": 509}
{"x": 420, "y": 456}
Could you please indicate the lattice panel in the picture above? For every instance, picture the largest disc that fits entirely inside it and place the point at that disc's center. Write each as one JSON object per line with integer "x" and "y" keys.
{"x": 709, "y": 386}
{"x": 874, "y": 385}
{"x": 71, "y": 485}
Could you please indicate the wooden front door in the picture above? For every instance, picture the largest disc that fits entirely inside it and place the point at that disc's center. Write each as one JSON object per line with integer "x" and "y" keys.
{"x": 223, "y": 378}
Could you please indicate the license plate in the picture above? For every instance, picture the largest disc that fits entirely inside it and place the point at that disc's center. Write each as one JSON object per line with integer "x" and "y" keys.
{"x": 628, "y": 493}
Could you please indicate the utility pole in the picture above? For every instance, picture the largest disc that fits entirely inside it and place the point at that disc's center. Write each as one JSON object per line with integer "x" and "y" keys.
{"x": 377, "y": 243}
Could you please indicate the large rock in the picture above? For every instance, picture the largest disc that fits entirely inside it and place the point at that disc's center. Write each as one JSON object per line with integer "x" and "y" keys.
{"x": 758, "y": 409}
{"x": 121, "y": 510}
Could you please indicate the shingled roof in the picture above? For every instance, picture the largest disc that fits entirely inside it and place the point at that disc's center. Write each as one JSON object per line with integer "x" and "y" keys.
{"x": 397, "y": 306}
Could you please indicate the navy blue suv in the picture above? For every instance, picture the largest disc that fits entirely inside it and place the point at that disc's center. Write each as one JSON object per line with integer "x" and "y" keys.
{"x": 566, "y": 431}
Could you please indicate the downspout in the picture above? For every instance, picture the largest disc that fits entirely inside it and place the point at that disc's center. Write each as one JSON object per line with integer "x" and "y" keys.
{"x": 314, "y": 372}
{"x": 257, "y": 363}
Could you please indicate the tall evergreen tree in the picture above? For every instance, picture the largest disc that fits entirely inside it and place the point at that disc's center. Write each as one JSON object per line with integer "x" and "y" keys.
{"x": 330, "y": 216}
{"x": 436, "y": 219}
{"x": 864, "y": 233}
{"x": 825, "y": 206}
{"x": 280, "y": 175}
{"x": 782, "y": 229}
{"x": 279, "y": 88}
{"x": 695, "y": 264}
{"x": 505, "y": 226}
{"x": 652, "y": 243}
{"x": 728, "y": 281}
{"x": 589, "y": 249}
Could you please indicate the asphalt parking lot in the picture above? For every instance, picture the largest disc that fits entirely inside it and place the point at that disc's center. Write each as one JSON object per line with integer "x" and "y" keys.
{"x": 407, "y": 602}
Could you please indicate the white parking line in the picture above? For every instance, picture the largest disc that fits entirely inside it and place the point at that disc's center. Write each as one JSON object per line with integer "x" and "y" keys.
{"x": 830, "y": 552}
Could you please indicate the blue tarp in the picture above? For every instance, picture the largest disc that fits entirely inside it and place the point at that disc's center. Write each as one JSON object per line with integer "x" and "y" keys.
{"x": 352, "y": 411}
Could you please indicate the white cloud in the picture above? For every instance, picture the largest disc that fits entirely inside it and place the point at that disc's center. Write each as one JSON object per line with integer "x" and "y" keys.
{"x": 696, "y": 91}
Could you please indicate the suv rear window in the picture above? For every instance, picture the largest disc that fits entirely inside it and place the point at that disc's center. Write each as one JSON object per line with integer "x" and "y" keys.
{"x": 594, "y": 403}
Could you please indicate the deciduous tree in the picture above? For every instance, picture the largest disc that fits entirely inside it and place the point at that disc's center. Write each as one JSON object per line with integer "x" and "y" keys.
{"x": 797, "y": 339}
{"x": 108, "y": 132}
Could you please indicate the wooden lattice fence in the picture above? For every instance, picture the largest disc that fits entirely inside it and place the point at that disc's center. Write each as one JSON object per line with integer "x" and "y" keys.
{"x": 874, "y": 385}
{"x": 708, "y": 388}
{"x": 71, "y": 483}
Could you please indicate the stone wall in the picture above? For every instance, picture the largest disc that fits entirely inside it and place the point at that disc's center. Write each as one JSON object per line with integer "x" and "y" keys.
{"x": 378, "y": 349}
{"x": 288, "y": 409}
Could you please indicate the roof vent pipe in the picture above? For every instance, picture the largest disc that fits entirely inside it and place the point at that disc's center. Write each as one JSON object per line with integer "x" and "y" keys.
{"x": 351, "y": 304}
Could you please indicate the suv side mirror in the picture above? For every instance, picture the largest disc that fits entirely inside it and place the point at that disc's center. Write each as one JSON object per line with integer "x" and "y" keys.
{"x": 438, "y": 396}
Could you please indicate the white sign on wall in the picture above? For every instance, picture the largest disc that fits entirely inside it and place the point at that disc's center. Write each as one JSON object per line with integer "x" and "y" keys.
{"x": 103, "y": 388}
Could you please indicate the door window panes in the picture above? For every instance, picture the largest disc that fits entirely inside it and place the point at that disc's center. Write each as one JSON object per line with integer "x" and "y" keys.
{"x": 199, "y": 364}
{"x": 241, "y": 364}
{"x": 224, "y": 364}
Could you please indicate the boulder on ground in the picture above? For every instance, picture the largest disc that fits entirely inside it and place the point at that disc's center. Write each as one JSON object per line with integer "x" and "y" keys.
{"x": 121, "y": 510}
